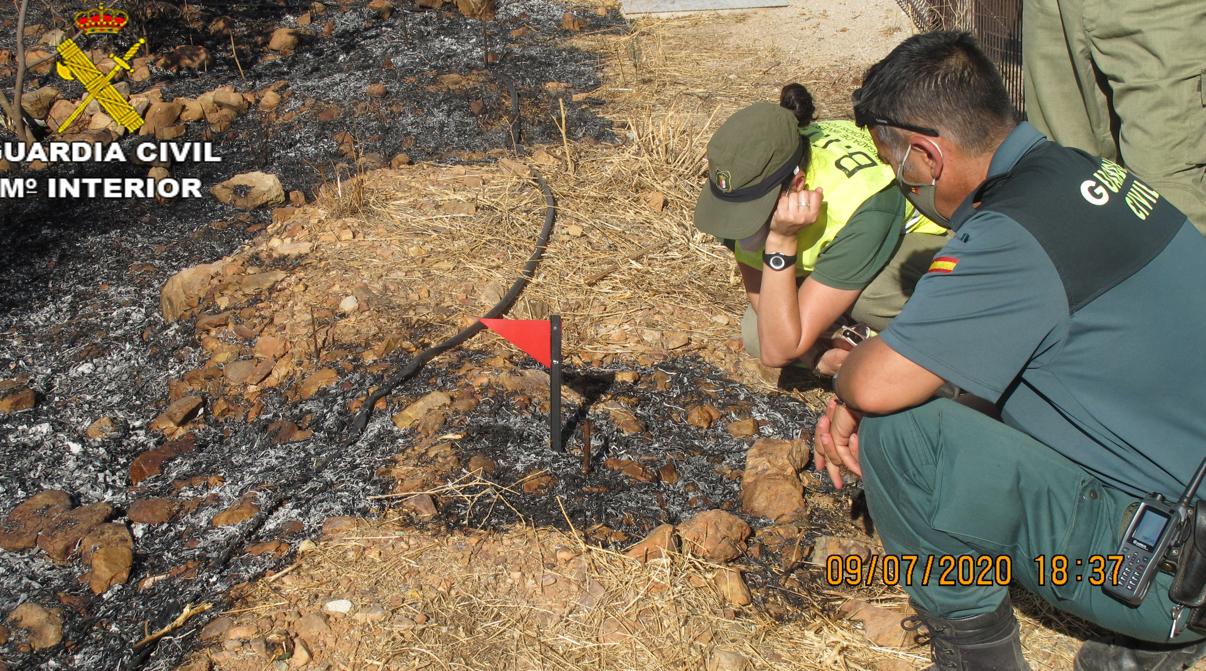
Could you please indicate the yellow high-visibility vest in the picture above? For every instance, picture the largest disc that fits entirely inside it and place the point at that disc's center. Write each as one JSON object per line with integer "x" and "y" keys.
{"x": 843, "y": 162}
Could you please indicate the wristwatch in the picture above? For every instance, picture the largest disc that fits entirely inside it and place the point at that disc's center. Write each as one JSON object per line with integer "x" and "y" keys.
{"x": 777, "y": 261}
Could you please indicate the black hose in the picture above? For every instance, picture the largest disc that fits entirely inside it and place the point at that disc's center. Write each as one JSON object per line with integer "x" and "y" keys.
{"x": 508, "y": 300}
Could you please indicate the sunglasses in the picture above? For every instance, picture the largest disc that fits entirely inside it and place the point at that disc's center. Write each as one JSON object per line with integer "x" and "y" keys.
{"x": 864, "y": 118}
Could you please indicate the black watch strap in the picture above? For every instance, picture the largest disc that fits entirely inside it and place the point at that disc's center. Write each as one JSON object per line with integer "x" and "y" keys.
{"x": 777, "y": 261}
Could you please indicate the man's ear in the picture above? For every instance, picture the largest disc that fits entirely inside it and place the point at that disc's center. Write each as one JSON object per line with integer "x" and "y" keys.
{"x": 930, "y": 151}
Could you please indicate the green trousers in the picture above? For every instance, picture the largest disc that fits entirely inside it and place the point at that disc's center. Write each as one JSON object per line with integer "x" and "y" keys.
{"x": 884, "y": 297}
{"x": 1124, "y": 79}
{"x": 943, "y": 480}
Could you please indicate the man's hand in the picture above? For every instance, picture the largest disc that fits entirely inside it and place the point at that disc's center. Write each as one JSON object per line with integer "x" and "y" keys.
{"x": 796, "y": 209}
{"x": 835, "y": 443}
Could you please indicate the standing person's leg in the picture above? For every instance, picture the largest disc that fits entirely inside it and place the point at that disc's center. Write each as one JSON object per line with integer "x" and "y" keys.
{"x": 883, "y": 299}
{"x": 943, "y": 480}
{"x": 1064, "y": 98}
{"x": 1153, "y": 54}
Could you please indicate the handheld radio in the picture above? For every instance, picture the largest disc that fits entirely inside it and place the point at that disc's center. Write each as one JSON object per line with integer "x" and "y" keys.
{"x": 1151, "y": 541}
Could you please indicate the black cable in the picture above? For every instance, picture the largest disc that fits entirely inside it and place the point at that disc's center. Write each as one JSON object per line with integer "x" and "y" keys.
{"x": 508, "y": 300}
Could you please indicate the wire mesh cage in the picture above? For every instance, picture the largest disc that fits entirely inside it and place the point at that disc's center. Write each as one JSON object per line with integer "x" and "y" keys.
{"x": 997, "y": 24}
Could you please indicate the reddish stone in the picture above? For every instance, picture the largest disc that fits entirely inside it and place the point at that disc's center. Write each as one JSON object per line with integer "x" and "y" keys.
{"x": 150, "y": 463}
{"x": 60, "y": 538}
{"x": 22, "y": 526}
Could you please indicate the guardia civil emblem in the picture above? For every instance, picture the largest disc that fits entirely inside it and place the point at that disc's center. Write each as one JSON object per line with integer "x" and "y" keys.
{"x": 724, "y": 180}
{"x": 74, "y": 64}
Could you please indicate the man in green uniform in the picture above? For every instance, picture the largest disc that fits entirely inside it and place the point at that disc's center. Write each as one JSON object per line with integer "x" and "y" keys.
{"x": 1070, "y": 296}
{"x": 1126, "y": 81}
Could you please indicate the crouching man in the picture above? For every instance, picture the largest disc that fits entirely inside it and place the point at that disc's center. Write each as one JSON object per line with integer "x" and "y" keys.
{"x": 1070, "y": 295}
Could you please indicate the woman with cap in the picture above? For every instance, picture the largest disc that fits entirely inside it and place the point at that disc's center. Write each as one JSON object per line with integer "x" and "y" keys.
{"x": 820, "y": 232}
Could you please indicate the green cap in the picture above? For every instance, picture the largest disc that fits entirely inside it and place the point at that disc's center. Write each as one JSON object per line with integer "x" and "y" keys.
{"x": 749, "y": 157}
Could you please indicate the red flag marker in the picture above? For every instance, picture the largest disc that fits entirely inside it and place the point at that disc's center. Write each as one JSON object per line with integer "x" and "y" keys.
{"x": 541, "y": 339}
{"x": 530, "y": 335}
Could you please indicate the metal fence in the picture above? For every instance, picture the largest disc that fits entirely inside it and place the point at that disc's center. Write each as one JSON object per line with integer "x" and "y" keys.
{"x": 997, "y": 24}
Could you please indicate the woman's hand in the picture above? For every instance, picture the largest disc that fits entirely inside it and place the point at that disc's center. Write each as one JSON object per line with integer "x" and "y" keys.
{"x": 829, "y": 362}
{"x": 797, "y": 208}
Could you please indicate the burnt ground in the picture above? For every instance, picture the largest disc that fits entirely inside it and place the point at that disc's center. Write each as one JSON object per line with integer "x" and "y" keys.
{"x": 80, "y": 323}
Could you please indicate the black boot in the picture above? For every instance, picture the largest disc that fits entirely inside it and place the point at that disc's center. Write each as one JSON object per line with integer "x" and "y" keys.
{"x": 987, "y": 642}
{"x": 1129, "y": 655}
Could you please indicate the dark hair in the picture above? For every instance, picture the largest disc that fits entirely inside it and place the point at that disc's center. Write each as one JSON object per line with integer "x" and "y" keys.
{"x": 797, "y": 99}
{"x": 938, "y": 80}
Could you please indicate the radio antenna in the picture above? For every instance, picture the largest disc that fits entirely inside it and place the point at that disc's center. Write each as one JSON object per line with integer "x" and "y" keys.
{"x": 1192, "y": 489}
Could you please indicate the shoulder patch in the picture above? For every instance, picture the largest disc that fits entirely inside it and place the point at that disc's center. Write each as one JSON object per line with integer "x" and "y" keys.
{"x": 943, "y": 264}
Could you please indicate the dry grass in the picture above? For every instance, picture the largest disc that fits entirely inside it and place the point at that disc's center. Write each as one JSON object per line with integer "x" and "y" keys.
{"x": 440, "y": 244}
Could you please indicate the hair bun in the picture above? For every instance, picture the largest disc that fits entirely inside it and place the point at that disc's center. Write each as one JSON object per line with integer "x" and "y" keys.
{"x": 797, "y": 99}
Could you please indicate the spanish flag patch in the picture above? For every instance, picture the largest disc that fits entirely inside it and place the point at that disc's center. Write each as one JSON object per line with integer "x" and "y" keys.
{"x": 943, "y": 264}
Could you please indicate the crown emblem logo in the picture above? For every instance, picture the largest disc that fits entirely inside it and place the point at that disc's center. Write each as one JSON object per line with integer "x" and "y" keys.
{"x": 101, "y": 19}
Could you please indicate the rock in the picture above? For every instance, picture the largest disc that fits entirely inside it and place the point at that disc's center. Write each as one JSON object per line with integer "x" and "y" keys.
{"x": 60, "y": 538}
{"x": 283, "y": 40}
{"x": 152, "y": 511}
{"x": 312, "y": 628}
{"x": 482, "y": 10}
{"x": 247, "y": 371}
{"x": 622, "y": 417}
{"x": 414, "y": 412}
{"x": 301, "y": 654}
{"x": 337, "y": 607}
{"x": 732, "y": 587}
{"x": 881, "y": 626}
{"x": 349, "y": 304}
{"x": 270, "y": 101}
{"x": 191, "y": 109}
{"x": 105, "y": 428}
{"x": 770, "y": 485}
{"x": 178, "y": 413}
{"x": 482, "y": 465}
{"x": 371, "y": 614}
{"x": 654, "y": 200}
{"x": 571, "y": 22}
{"x": 37, "y": 103}
{"x": 250, "y": 190}
{"x": 317, "y": 380}
{"x": 3, "y": 634}
{"x": 714, "y": 535}
{"x": 15, "y": 397}
{"x": 45, "y": 626}
{"x": 376, "y": 90}
{"x": 631, "y": 469}
{"x": 216, "y": 629}
{"x": 743, "y": 428}
{"x": 270, "y": 347}
{"x": 160, "y": 115}
{"x": 826, "y": 546}
{"x": 628, "y": 377}
{"x": 727, "y": 660}
{"x": 535, "y": 383}
{"x": 21, "y": 528}
{"x": 150, "y": 463}
{"x": 383, "y": 8}
{"x": 185, "y": 57}
{"x": 182, "y": 291}
{"x": 245, "y": 509}
{"x": 109, "y": 552}
{"x": 283, "y": 432}
{"x": 244, "y": 631}
{"x": 60, "y": 111}
{"x": 702, "y": 416}
{"x": 657, "y": 544}
{"x": 400, "y": 160}
{"x": 257, "y": 282}
{"x": 422, "y": 505}
{"x": 538, "y": 482}
{"x": 668, "y": 474}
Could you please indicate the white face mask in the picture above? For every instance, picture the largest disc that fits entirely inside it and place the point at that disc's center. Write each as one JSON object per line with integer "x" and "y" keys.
{"x": 921, "y": 195}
